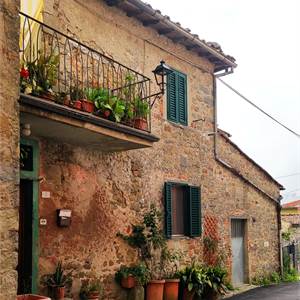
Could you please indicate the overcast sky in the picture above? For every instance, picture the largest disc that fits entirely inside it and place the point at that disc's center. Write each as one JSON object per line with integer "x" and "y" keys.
{"x": 264, "y": 37}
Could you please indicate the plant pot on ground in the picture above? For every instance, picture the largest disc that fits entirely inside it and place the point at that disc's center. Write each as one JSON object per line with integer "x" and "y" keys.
{"x": 188, "y": 295}
{"x": 129, "y": 277}
{"x": 155, "y": 290}
{"x": 171, "y": 289}
{"x": 90, "y": 290}
{"x": 57, "y": 281}
{"x": 215, "y": 283}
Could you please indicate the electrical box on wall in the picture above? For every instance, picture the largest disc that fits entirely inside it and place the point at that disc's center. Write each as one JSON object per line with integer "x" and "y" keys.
{"x": 64, "y": 217}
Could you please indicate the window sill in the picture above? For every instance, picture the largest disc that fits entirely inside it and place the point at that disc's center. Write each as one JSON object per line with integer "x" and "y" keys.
{"x": 179, "y": 125}
{"x": 180, "y": 237}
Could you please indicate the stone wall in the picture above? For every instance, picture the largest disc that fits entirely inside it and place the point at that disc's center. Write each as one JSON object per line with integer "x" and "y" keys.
{"x": 108, "y": 191}
{"x": 9, "y": 149}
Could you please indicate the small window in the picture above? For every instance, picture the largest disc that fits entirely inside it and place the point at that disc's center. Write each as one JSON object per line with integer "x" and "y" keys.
{"x": 177, "y": 98}
{"x": 182, "y": 210}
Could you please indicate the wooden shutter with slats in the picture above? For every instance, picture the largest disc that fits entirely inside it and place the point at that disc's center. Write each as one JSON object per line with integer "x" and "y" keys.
{"x": 177, "y": 97}
{"x": 168, "y": 209}
{"x": 172, "y": 98}
{"x": 195, "y": 211}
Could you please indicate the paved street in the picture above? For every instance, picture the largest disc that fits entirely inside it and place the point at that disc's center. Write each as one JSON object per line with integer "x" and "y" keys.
{"x": 289, "y": 291}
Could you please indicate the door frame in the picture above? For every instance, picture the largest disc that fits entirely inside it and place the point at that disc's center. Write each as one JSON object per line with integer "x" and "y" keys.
{"x": 33, "y": 176}
{"x": 246, "y": 253}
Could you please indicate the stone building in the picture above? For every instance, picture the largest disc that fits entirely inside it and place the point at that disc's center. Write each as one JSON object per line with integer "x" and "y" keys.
{"x": 102, "y": 175}
{"x": 290, "y": 218}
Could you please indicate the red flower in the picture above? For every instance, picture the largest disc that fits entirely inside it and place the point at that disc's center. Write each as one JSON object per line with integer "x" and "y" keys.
{"x": 24, "y": 73}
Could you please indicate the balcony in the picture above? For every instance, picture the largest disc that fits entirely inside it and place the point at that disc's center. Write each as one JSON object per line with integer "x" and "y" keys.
{"x": 72, "y": 93}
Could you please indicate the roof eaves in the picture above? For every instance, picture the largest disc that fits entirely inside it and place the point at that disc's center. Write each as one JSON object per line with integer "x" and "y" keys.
{"x": 165, "y": 26}
{"x": 227, "y": 136}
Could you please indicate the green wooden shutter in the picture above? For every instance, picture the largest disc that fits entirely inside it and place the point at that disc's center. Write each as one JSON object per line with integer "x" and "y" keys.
{"x": 171, "y": 98}
{"x": 181, "y": 99}
{"x": 168, "y": 209}
{"x": 195, "y": 211}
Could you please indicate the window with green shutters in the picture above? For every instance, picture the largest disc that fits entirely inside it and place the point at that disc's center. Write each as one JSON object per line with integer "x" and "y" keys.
{"x": 182, "y": 210}
{"x": 177, "y": 97}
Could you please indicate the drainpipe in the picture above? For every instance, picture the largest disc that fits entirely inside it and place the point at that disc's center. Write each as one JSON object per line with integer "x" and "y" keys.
{"x": 279, "y": 235}
{"x": 228, "y": 166}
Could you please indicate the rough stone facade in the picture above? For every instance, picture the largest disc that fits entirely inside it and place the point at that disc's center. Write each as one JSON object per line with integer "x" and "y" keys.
{"x": 9, "y": 149}
{"x": 108, "y": 191}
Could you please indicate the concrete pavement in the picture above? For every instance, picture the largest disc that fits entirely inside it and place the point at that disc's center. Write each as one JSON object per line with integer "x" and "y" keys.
{"x": 288, "y": 291}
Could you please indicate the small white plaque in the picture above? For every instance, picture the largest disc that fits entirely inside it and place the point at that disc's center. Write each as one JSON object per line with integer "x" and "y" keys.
{"x": 65, "y": 213}
{"x": 45, "y": 194}
{"x": 266, "y": 244}
{"x": 43, "y": 222}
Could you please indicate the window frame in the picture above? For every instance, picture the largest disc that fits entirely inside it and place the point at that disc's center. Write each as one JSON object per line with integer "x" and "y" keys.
{"x": 192, "y": 230}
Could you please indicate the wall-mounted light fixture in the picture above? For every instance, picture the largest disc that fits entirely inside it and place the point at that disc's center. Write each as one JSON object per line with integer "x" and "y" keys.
{"x": 25, "y": 129}
{"x": 160, "y": 73}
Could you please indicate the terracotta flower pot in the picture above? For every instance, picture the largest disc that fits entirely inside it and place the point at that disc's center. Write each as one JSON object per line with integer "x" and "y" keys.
{"x": 188, "y": 295}
{"x": 59, "y": 292}
{"x": 88, "y": 106}
{"x": 93, "y": 295}
{"x": 128, "y": 282}
{"x": 155, "y": 290}
{"x": 77, "y": 105}
{"x": 211, "y": 295}
{"x": 171, "y": 289}
{"x": 141, "y": 123}
{"x": 48, "y": 96}
{"x": 67, "y": 100}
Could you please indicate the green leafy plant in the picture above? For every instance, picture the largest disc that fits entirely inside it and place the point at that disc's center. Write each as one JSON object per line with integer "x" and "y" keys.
{"x": 194, "y": 278}
{"x": 59, "y": 278}
{"x": 76, "y": 93}
{"x": 90, "y": 286}
{"x": 39, "y": 76}
{"x": 149, "y": 239}
{"x": 108, "y": 105}
{"x": 139, "y": 272}
{"x": 287, "y": 235}
{"x": 141, "y": 108}
{"x": 216, "y": 280}
{"x": 169, "y": 262}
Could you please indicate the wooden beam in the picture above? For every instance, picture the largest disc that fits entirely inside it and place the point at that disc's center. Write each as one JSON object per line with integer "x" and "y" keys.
{"x": 113, "y": 2}
{"x": 150, "y": 22}
{"x": 191, "y": 47}
{"x": 133, "y": 13}
{"x": 178, "y": 39}
{"x": 165, "y": 31}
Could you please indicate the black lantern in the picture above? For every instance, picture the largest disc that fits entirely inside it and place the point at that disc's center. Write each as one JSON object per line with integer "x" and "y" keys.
{"x": 160, "y": 72}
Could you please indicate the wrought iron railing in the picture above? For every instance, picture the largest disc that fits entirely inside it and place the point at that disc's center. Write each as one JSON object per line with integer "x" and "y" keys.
{"x": 61, "y": 69}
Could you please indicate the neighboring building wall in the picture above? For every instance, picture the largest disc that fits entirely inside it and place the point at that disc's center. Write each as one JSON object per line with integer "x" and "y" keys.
{"x": 9, "y": 147}
{"x": 109, "y": 191}
{"x": 291, "y": 222}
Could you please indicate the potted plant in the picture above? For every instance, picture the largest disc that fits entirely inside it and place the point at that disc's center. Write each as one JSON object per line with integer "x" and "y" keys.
{"x": 142, "y": 109}
{"x": 129, "y": 277}
{"x": 169, "y": 265}
{"x": 148, "y": 238}
{"x": 39, "y": 76}
{"x": 215, "y": 283}
{"x": 57, "y": 282}
{"x": 90, "y": 290}
{"x": 77, "y": 97}
{"x": 193, "y": 280}
{"x": 125, "y": 277}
